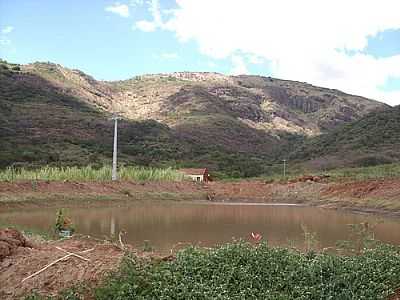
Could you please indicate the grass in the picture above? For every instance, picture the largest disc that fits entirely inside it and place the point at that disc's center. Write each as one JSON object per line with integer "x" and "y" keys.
{"x": 384, "y": 171}
{"x": 245, "y": 271}
{"x": 91, "y": 174}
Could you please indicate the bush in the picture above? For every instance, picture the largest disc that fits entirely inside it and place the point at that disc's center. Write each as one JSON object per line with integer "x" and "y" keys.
{"x": 243, "y": 271}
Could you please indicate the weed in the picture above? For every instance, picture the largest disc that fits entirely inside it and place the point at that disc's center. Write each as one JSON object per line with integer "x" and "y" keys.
{"x": 147, "y": 247}
{"x": 310, "y": 239}
{"x": 63, "y": 223}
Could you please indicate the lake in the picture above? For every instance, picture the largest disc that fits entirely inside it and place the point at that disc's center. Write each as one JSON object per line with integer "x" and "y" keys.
{"x": 164, "y": 224}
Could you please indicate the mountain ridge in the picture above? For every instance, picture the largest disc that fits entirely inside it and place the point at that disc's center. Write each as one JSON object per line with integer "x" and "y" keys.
{"x": 237, "y": 124}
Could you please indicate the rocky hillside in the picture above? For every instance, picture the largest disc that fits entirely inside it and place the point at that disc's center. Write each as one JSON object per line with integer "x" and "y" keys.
{"x": 51, "y": 114}
{"x": 268, "y": 104}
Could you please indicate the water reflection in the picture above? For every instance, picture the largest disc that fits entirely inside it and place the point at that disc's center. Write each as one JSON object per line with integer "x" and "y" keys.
{"x": 165, "y": 224}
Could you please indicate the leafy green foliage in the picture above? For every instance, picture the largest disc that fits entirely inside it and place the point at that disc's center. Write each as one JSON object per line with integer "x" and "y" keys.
{"x": 243, "y": 271}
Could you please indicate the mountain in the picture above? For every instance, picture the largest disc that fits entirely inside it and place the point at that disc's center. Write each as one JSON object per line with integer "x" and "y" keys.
{"x": 373, "y": 139}
{"x": 50, "y": 114}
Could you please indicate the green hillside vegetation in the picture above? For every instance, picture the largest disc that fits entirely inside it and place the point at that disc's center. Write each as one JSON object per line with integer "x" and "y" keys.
{"x": 372, "y": 140}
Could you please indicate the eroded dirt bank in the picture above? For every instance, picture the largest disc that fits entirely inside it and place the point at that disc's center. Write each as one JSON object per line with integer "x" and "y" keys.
{"x": 18, "y": 268}
{"x": 381, "y": 196}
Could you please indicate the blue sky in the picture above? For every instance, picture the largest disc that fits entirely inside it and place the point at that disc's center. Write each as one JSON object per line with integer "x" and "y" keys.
{"x": 116, "y": 40}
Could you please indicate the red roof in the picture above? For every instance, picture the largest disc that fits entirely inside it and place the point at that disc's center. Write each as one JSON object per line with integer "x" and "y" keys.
{"x": 194, "y": 171}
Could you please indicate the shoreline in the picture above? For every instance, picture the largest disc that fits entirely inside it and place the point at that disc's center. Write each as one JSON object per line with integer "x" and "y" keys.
{"x": 379, "y": 197}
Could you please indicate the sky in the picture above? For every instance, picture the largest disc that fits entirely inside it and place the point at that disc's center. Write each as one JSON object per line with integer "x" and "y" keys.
{"x": 350, "y": 45}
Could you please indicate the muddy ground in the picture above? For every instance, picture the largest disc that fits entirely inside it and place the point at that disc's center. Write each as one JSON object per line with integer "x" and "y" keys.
{"x": 97, "y": 259}
{"x": 379, "y": 196}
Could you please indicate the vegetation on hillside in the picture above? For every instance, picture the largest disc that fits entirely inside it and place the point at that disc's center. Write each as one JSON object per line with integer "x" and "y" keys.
{"x": 235, "y": 126}
{"x": 372, "y": 140}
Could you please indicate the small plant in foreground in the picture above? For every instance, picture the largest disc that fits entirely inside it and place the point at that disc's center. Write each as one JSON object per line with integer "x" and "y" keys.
{"x": 63, "y": 224}
{"x": 310, "y": 239}
{"x": 147, "y": 247}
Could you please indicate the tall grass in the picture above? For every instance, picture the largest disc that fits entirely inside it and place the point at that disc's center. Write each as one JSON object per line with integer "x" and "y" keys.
{"x": 90, "y": 174}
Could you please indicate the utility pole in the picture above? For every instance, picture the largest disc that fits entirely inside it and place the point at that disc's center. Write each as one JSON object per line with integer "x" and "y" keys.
{"x": 114, "y": 175}
{"x": 284, "y": 168}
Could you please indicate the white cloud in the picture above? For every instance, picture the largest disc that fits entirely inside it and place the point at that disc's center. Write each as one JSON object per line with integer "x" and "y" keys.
{"x": 7, "y": 30}
{"x": 307, "y": 40}
{"x": 119, "y": 9}
{"x": 239, "y": 66}
{"x": 156, "y": 22}
{"x": 256, "y": 60}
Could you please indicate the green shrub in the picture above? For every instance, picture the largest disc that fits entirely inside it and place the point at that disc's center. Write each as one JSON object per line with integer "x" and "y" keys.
{"x": 243, "y": 271}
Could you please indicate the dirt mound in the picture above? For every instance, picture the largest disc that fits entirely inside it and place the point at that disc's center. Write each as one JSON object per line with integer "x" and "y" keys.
{"x": 96, "y": 259}
{"x": 10, "y": 240}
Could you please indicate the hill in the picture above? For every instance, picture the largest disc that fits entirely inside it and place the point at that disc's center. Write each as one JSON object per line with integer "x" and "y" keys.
{"x": 372, "y": 140}
{"x": 238, "y": 124}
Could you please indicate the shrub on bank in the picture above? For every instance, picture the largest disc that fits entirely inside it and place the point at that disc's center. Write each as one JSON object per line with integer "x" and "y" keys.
{"x": 244, "y": 271}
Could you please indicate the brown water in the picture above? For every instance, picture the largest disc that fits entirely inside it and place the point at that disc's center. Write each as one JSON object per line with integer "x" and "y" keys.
{"x": 164, "y": 224}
